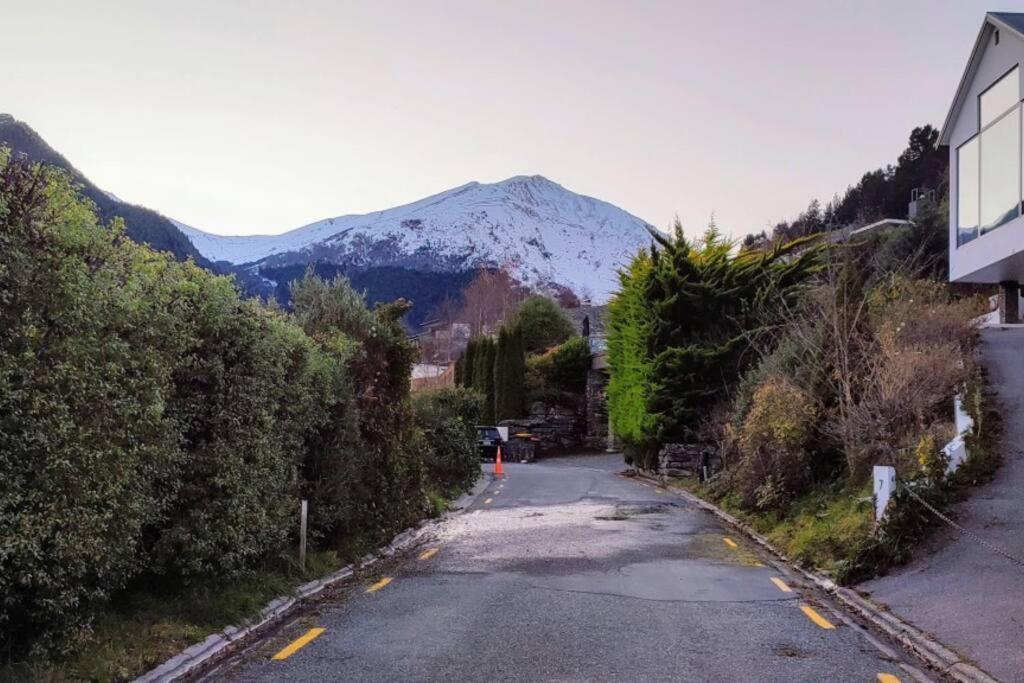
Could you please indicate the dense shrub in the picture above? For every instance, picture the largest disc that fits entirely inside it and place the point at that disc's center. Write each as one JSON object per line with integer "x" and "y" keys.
{"x": 447, "y": 419}
{"x": 543, "y": 324}
{"x": 629, "y": 388}
{"x": 87, "y": 449}
{"x": 561, "y": 369}
{"x": 154, "y": 424}
{"x": 773, "y": 441}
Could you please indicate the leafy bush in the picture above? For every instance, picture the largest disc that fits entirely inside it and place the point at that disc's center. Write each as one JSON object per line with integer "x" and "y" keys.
{"x": 775, "y": 467}
{"x": 155, "y": 426}
{"x": 447, "y": 419}
{"x": 561, "y": 369}
{"x": 87, "y": 448}
{"x": 543, "y": 324}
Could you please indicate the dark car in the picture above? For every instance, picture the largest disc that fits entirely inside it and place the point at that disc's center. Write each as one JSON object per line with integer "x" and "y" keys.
{"x": 488, "y": 438}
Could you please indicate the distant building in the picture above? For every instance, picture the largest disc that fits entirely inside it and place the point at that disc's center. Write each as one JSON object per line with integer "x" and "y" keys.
{"x": 442, "y": 341}
{"x": 983, "y": 133}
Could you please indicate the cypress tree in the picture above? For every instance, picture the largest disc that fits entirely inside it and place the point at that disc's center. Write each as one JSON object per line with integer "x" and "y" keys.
{"x": 483, "y": 376}
{"x": 468, "y": 364}
{"x": 509, "y": 374}
{"x": 501, "y": 376}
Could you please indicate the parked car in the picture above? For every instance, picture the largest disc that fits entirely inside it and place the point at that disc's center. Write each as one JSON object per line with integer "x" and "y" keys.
{"x": 488, "y": 438}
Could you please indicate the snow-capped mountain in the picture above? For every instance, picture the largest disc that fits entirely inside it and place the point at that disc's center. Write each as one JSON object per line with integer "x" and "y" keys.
{"x": 541, "y": 232}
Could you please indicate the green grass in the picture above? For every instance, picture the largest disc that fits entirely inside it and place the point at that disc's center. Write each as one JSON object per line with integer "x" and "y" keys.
{"x": 146, "y": 626}
{"x": 823, "y": 530}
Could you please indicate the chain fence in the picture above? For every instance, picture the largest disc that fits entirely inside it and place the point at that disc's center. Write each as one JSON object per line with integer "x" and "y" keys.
{"x": 970, "y": 534}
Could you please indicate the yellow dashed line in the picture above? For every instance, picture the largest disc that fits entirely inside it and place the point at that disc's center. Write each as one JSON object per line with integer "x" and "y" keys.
{"x": 428, "y": 553}
{"x": 488, "y": 501}
{"x": 781, "y": 585}
{"x": 729, "y": 542}
{"x": 299, "y": 643}
{"x": 815, "y": 617}
{"x": 887, "y": 678}
{"x": 380, "y": 584}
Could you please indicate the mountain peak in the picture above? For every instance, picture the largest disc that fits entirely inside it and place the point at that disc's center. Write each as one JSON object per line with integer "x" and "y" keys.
{"x": 542, "y": 232}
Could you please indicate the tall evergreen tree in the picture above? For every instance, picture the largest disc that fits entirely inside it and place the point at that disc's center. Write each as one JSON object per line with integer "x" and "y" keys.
{"x": 706, "y": 301}
{"x": 483, "y": 376}
{"x": 509, "y": 374}
{"x": 468, "y": 361}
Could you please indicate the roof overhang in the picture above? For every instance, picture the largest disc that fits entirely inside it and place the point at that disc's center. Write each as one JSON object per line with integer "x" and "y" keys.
{"x": 992, "y": 22}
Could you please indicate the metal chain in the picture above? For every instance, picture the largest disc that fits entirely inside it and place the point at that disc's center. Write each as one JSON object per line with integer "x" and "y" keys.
{"x": 947, "y": 520}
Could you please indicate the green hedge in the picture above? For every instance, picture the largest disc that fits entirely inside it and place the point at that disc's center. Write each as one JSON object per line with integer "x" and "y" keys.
{"x": 156, "y": 427}
{"x": 447, "y": 419}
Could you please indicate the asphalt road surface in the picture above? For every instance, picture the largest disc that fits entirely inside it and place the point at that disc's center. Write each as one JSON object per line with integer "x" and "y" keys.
{"x": 566, "y": 571}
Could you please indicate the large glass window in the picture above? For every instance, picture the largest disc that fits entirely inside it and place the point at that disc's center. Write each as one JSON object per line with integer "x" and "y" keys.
{"x": 989, "y": 182}
{"x": 967, "y": 191}
{"x": 1003, "y": 94}
{"x": 1000, "y": 171}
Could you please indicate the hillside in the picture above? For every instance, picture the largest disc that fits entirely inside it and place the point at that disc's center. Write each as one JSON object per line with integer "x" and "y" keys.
{"x": 144, "y": 225}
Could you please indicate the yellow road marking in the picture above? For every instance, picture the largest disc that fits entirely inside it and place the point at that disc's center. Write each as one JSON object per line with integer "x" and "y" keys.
{"x": 299, "y": 643}
{"x": 887, "y": 678}
{"x": 380, "y": 584}
{"x": 428, "y": 553}
{"x": 488, "y": 501}
{"x": 782, "y": 585}
{"x": 815, "y": 617}
{"x": 729, "y": 542}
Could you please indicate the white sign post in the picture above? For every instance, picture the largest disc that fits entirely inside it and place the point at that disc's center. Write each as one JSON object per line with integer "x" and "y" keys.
{"x": 885, "y": 486}
{"x": 302, "y": 533}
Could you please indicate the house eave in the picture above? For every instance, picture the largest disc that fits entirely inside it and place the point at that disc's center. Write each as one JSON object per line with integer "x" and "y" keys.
{"x": 965, "y": 80}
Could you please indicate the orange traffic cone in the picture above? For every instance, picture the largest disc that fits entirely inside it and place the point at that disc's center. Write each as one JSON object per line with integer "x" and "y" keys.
{"x": 499, "y": 471}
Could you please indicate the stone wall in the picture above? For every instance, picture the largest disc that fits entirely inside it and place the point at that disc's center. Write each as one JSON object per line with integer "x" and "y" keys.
{"x": 558, "y": 428}
{"x": 596, "y": 407}
{"x": 684, "y": 460}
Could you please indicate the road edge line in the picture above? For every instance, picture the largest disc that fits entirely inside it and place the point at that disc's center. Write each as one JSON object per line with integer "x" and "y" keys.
{"x": 204, "y": 655}
{"x": 929, "y": 650}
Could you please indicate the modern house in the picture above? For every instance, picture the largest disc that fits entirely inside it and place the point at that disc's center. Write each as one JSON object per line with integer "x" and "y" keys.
{"x": 983, "y": 133}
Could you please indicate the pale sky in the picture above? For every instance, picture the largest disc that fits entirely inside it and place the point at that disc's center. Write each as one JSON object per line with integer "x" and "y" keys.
{"x": 258, "y": 117}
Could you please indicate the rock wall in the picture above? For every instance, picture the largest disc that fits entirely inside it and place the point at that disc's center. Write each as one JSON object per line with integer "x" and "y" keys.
{"x": 684, "y": 460}
{"x": 596, "y": 407}
{"x": 558, "y": 428}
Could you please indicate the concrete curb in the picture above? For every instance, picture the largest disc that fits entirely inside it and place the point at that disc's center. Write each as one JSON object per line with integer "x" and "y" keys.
{"x": 930, "y": 651}
{"x": 218, "y": 646}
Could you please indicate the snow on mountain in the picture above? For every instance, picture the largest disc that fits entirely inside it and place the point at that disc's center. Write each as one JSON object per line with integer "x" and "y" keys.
{"x": 536, "y": 228}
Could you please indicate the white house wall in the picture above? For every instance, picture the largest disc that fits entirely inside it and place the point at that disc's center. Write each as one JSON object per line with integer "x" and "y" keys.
{"x": 997, "y": 255}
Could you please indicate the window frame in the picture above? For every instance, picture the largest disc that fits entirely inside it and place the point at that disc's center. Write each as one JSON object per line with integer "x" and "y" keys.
{"x": 976, "y": 139}
{"x": 1017, "y": 106}
{"x": 992, "y": 85}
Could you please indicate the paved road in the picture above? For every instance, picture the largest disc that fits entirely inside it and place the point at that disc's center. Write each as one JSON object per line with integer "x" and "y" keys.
{"x": 956, "y": 588}
{"x": 565, "y": 571}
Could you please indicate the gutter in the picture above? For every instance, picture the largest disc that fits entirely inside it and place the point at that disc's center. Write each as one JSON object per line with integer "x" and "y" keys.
{"x": 929, "y": 650}
{"x": 217, "y": 647}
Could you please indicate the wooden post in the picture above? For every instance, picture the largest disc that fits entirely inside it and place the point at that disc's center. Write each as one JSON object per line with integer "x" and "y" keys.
{"x": 302, "y": 534}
